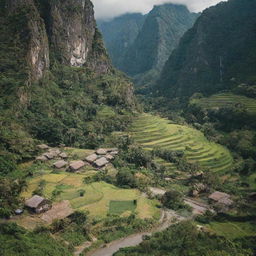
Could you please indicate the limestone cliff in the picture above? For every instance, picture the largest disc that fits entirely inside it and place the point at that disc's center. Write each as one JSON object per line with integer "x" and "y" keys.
{"x": 36, "y": 40}
{"x": 56, "y": 80}
{"x": 74, "y": 35}
{"x": 65, "y": 29}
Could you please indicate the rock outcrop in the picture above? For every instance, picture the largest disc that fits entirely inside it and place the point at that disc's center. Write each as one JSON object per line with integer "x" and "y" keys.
{"x": 65, "y": 28}
{"x": 35, "y": 35}
{"x": 74, "y": 35}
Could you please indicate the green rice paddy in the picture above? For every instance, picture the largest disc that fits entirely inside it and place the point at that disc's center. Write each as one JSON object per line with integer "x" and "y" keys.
{"x": 99, "y": 198}
{"x": 156, "y": 132}
{"x": 233, "y": 230}
{"x": 119, "y": 207}
{"x": 225, "y": 100}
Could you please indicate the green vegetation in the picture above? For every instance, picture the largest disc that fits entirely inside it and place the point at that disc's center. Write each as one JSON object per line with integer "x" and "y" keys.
{"x": 39, "y": 109}
{"x": 119, "y": 207}
{"x": 18, "y": 241}
{"x": 172, "y": 199}
{"x": 93, "y": 106}
{"x": 140, "y": 44}
{"x": 222, "y": 100}
{"x": 95, "y": 196}
{"x": 217, "y": 54}
{"x": 233, "y": 230}
{"x": 155, "y": 132}
{"x": 184, "y": 239}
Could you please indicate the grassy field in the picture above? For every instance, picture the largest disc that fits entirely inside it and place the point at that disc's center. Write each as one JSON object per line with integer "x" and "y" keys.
{"x": 233, "y": 230}
{"x": 227, "y": 99}
{"x": 99, "y": 198}
{"x": 153, "y": 131}
{"x": 119, "y": 207}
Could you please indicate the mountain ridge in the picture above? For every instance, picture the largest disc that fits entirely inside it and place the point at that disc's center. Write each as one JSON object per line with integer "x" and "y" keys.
{"x": 217, "y": 50}
{"x": 159, "y": 35}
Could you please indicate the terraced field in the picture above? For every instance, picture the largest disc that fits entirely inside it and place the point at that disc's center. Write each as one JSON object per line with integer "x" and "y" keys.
{"x": 153, "y": 131}
{"x": 227, "y": 99}
{"x": 97, "y": 197}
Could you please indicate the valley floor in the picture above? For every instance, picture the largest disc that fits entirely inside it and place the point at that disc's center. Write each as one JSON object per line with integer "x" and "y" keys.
{"x": 102, "y": 200}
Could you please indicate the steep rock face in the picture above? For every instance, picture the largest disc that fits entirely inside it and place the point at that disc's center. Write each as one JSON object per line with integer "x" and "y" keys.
{"x": 37, "y": 55}
{"x": 120, "y": 33}
{"x": 219, "y": 49}
{"x": 56, "y": 102}
{"x": 74, "y": 34}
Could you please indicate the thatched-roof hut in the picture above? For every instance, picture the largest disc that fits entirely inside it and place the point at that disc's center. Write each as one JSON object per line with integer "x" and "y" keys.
{"x": 91, "y": 158}
{"x": 76, "y": 165}
{"x": 38, "y": 204}
{"x": 101, "y": 162}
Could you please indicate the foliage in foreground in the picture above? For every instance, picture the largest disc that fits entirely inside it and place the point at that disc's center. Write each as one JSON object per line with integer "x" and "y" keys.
{"x": 19, "y": 242}
{"x": 184, "y": 239}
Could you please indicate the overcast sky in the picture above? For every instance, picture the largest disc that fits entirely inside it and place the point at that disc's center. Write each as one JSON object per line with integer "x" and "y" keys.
{"x": 112, "y": 8}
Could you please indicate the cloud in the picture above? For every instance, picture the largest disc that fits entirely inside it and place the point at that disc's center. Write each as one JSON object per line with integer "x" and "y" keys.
{"x": 105, "y": 9}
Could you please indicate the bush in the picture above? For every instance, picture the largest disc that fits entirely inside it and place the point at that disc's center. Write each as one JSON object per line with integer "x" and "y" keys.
{"x": 137, "y": 156}
{"x": 173, "y": 199}
{"x": 5, "y": 213}
{"x": 7, "y": 165}
{"x": 125, "y": 178}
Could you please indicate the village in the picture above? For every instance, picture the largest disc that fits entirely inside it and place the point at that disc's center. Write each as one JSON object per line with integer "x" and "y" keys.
{"x": 37, "y": 204}
{"x": 49, "y": 211}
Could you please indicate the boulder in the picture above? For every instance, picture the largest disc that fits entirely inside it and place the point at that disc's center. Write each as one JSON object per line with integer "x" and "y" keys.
{"x": 60, "y": 164}
{"x": 19, "y": 211}
{"x": 194, "y": 193}
{"x": 76, "y": 165}
{"x": 91, "y": 158}
{"x": 101, "y": 162}
{"x": 101, "y": 151}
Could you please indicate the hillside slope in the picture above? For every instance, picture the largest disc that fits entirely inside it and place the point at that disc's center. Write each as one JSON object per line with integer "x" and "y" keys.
{"x": 53, "y": 63}
{"x": 218, "y": 50}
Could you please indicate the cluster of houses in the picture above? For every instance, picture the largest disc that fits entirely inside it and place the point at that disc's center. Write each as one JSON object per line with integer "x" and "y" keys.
{"x": 102, "y": 157}
{"x": 99, "y": 159}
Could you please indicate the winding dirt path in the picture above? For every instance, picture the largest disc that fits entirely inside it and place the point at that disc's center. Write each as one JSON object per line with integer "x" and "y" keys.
{"x": 167, "y": 219}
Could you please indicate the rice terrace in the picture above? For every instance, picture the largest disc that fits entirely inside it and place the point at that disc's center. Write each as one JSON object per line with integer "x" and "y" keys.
{"x": 156, "y": 132}
{"x": 127, "y": 128}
